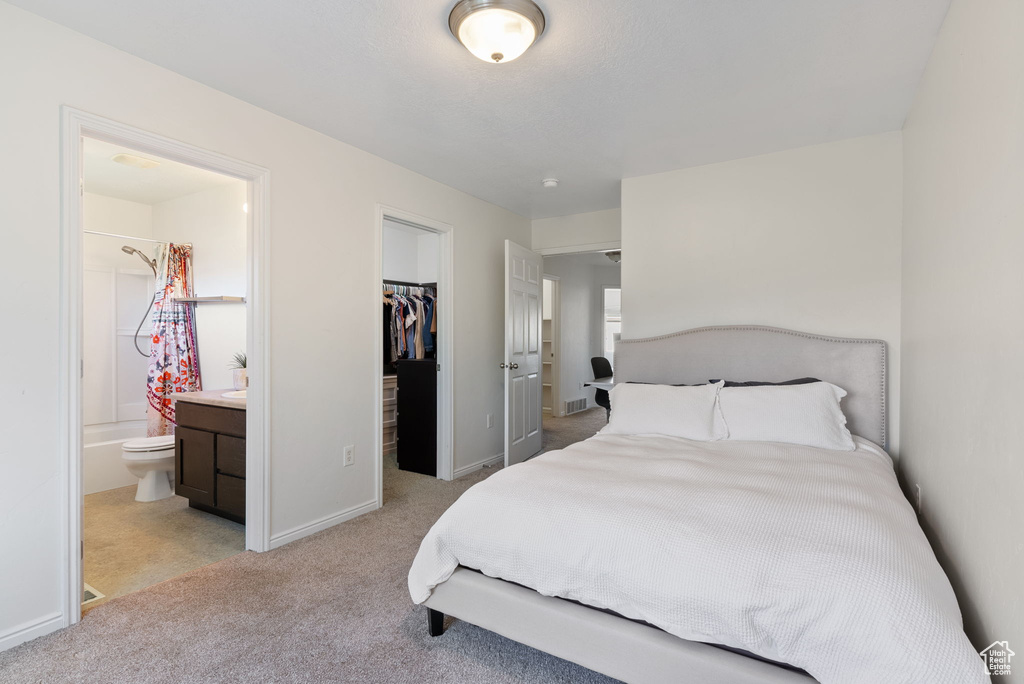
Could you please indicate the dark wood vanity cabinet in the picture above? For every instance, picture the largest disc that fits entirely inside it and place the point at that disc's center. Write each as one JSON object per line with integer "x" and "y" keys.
{"x": 209, "y": 458}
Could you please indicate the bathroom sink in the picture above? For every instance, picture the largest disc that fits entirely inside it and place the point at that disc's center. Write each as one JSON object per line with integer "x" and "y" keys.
{"x": 237, "y": 394}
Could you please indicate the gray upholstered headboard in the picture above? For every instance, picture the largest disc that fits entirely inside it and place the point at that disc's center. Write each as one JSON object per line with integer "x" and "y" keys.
{"x": 746, "y": 352}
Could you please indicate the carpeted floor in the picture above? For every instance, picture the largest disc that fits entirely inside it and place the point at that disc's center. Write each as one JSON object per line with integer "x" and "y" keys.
{"x": 332, "y": 607}
{"x": 561, "y": 432}
{"x": 131, "y": 545}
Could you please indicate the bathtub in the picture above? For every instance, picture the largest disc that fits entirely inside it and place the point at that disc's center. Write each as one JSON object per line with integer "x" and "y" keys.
{"x": 102, "y": 468}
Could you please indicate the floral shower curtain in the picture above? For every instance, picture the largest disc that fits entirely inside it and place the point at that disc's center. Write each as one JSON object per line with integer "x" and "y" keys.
{"x": 173, "y": 356}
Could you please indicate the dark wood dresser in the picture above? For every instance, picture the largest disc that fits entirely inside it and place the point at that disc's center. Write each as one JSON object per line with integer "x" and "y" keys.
{"x": 209, "y": 458}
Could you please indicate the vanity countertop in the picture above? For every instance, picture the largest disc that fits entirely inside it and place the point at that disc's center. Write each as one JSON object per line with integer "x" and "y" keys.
{"x": 210, "y": 398}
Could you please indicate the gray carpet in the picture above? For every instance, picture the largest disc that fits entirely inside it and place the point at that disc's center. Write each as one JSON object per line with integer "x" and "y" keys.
{"x": 329, "y": 608}
{"x": 561, "y": 432}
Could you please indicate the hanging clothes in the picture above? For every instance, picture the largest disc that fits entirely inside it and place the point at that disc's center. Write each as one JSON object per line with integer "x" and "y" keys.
{"x": 389, "y": 333}
{"x": 409, "y": 315}
{"x": 173, "y": 354}
{"x": 428, "y": 325}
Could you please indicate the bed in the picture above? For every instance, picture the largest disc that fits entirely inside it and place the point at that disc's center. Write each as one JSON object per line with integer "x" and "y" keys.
{"x": 850, "y": 591}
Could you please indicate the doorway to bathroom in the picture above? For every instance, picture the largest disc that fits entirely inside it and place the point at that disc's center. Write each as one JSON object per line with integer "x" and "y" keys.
{"x": 414, "y": 430}
{"x": 164, "y": 326}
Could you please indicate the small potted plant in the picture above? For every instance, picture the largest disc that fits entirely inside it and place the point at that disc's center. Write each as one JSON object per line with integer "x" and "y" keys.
{"x": 239, "y": 377}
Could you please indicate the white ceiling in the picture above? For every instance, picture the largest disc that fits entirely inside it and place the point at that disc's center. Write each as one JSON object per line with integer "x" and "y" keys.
{"x": 171, "y": 179}
{"x": 613, "y": 89}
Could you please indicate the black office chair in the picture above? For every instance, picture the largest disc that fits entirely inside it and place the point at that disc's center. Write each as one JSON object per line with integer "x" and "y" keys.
{"x": 602, "y": 369}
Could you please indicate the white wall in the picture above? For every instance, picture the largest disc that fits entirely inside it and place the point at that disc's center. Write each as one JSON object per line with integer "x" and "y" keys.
{"x": 963, "y": 312}
{"x": 428, "y": 256}
{"x": 214, "y": 222}
{"x": 112, "y": 215}
{"x": 807, "y": 239}
{"x": 323, "y": 295}
{"x": 409, "y": 255}
{"x": 581, "y": 304}
{"x": 400, "y": 253}
{"x": 577, "y": 232}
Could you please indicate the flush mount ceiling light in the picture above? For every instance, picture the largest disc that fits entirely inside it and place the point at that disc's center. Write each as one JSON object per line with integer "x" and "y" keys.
{"x": 136, "y": 161}
{"x": 496, "y": 30}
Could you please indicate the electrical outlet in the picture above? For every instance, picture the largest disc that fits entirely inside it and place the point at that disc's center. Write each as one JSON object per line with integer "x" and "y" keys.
{"x": 490, "y": 420}
{"x": 350, "y": 455}
{"x": 917, "y": 498}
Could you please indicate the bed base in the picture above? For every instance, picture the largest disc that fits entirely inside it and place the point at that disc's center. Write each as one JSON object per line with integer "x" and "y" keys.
{"x": 624, "y": 649}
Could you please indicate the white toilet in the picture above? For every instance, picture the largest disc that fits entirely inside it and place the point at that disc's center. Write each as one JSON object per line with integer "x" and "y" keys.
{"x": 151, "y": 459}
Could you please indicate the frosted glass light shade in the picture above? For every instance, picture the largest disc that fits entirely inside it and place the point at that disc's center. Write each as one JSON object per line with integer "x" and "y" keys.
{"x": 496, "y": 30}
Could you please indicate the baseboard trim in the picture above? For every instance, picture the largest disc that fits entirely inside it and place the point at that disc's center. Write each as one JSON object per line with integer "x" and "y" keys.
{"x": 279, "y": 540}
{"x": 31, "y": 630}
{"x": 473, "y": 467}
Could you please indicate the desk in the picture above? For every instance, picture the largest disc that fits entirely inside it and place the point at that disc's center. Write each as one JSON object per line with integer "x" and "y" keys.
{"x": 602, "y": 383}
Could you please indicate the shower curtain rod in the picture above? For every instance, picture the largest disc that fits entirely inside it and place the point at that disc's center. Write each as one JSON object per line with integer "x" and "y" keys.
{"x": 132, "y": 237}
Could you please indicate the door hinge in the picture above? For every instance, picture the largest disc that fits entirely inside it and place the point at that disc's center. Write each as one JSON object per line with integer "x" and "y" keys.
{"x": 438, "y": 368}
{"x": 81, "y": 368}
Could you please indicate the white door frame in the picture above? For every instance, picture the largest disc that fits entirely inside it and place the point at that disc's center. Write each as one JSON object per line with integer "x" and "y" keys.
{"x": 74, "y": 125}
{"x": 557, "y": 408}
{"x": 445, "y": 345}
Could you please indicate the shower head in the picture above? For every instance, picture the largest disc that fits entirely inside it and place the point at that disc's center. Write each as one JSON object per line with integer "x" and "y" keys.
{"x": 149, "y": 262}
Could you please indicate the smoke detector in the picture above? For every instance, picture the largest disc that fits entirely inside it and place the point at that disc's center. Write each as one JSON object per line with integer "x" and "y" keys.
{"x": 615, "y": 256}
{"x": 550, "y": 182}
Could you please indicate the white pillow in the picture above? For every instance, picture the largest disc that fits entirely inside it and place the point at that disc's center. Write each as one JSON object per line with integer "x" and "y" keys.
{"x": 798, "y": 414}
{"x": 690, "y": 412}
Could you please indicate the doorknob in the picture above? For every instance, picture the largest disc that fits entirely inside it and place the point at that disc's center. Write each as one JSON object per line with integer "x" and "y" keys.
{"x": 502, "y": 366}
{"x": 513, "y": 366}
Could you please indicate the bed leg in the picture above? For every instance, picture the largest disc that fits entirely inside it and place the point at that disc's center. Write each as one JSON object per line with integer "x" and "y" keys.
{"x": 435, "y": 622}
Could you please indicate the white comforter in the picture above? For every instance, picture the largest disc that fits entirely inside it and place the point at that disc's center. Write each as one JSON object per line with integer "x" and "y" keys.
{"x": 802, "y": 555}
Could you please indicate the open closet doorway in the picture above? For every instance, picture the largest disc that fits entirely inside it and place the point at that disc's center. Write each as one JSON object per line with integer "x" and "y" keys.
{"x": 162, "y": 322}
{"x": 415, "y": 417}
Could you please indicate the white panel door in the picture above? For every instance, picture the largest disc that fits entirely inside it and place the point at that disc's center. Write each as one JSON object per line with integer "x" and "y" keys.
{"x": 522, "y": 362}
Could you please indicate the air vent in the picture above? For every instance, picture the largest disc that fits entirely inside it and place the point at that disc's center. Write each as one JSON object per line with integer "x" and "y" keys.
{"x": 89, "y": 594}
{"x": 575, "y": 406}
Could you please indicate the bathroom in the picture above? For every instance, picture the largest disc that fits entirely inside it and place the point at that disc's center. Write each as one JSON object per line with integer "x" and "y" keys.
{"x": 164, "y": 320}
